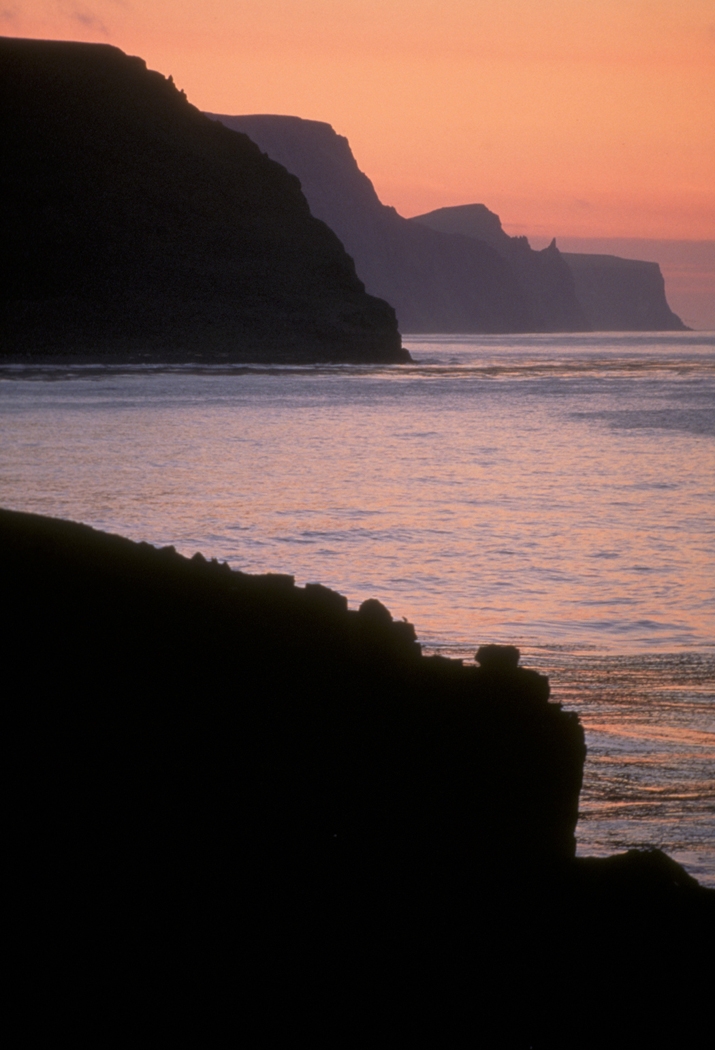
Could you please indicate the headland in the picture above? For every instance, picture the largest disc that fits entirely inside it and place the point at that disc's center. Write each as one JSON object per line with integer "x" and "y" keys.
{"x": 137, "y": 229}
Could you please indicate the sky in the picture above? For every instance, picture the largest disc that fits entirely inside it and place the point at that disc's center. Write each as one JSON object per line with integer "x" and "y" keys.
{"x": 569, "y": 118}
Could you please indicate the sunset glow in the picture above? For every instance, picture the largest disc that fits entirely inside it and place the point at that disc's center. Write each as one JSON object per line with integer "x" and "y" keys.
{"x": 565, "y": 118}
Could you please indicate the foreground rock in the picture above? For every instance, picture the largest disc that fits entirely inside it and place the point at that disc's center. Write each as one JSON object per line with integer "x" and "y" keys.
{"x": 240, "y": 802}
{"x": 133, "y": 226}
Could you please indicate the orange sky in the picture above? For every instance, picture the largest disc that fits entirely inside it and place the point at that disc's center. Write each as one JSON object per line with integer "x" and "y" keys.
{"x": 567, "y": 117}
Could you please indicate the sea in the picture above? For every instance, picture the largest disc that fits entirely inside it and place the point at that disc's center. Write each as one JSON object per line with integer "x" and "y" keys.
{"x": 555, "y": 492}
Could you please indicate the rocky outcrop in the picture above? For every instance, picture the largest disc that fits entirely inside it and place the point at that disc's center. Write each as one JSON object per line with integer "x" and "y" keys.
{"x": 437, "y": 282}
{"x": 134, "y": 225}
{"x": 235, "y": 795}
{"x": 351, "y": 685}
{"x": 544, "y": 277}
{"x": 624, "y": 295}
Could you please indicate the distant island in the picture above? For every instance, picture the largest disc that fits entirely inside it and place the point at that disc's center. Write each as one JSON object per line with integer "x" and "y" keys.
{"x": 224, "y": 781}
{"x": 135, "y": 227}
{"x": 455, "y": 269}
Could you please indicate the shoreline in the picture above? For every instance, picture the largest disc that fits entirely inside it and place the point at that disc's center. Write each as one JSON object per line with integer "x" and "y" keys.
{"x": 249, "y": 358}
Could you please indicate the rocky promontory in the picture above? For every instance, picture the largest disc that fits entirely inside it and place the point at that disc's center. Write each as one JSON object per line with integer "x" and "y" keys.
{"x": 240, "y": 802}
{"x": 133, "y": 226}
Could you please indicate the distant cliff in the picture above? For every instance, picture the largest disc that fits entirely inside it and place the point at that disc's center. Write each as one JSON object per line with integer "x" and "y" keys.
{"x": 437, "y": 281}
{"x": 455, "y": 269}
{"x": 612, "y": 294}
{"x": 545, "y": 278}
{"x": 132, "y": 224}
{"x": 622, "y": 294}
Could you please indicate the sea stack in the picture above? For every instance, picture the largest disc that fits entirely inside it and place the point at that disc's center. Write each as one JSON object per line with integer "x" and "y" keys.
{"x": 134, "y": 226}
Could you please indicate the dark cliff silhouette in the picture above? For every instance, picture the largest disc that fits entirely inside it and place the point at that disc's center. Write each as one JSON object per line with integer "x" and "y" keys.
{"x": 237, "y": 802}
{"x": 437, "y": 281}
{"x": 132, "y": 224}
{"x": 612, "y": 294}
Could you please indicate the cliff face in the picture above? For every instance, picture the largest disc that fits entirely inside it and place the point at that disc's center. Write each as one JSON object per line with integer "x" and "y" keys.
{"x": 133, "y": 224}
{"x": 544, "y": 277}
{"x": 437, "y": 282}
{"x": 622, "y": 294}
{"x": 595, "y": 292}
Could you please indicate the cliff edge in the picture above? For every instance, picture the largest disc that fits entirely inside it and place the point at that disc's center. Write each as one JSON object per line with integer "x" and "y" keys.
{"x": 135, "y": 226}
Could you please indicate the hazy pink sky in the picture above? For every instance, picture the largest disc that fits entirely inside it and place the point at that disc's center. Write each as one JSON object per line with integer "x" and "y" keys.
{"x": 566, "y": 117}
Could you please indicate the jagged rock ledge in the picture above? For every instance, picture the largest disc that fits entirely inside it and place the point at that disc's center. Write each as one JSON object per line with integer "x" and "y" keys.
{"x": 213, "y": 763}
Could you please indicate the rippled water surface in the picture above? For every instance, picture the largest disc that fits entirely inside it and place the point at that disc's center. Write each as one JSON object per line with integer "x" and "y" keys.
{"x": 557, "y": 492}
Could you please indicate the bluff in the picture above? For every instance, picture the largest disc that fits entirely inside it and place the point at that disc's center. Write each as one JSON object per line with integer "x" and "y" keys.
{"x": 544, "y": 276}
{"x": 134, "y": 225}
{"x": 611, "y": 294}
{"x": 625, "y": 295}
{"x": 238, "y": 802}
{"x": 438, "y": 281}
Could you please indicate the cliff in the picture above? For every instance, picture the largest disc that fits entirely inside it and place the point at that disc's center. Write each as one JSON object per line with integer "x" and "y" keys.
{"x": 597, "y": 292}
{"x": 240, "y": 802}
{"x": 134, "y": 225}
{"x": 625, "y": 295}
{"x": 437, "y": 282}
{"x": 544, "y": 276}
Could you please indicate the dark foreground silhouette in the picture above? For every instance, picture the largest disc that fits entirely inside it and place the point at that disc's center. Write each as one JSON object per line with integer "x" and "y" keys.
{"x": 242, "y": 805}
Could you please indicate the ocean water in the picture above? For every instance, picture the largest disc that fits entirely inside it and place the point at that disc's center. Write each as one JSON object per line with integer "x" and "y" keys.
{"x": 554, "y": 492}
